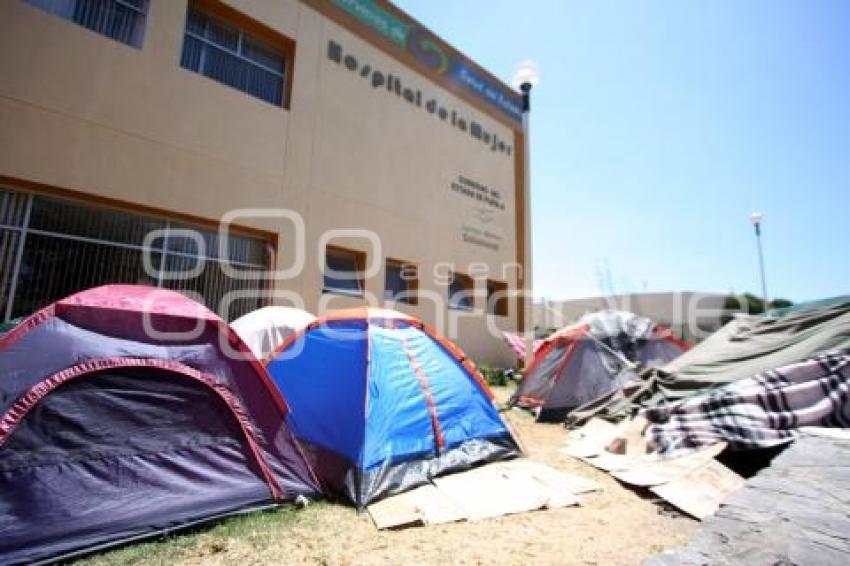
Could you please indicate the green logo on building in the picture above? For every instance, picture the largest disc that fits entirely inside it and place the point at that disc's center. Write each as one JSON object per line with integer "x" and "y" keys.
{"x": 378, "y": 19}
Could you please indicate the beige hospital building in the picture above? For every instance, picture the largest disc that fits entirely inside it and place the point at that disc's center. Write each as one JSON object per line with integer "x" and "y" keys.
{"x": 355, "y": 157}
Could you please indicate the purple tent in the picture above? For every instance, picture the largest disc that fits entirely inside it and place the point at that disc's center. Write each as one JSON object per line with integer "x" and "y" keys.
{"x": 127, "y": 411}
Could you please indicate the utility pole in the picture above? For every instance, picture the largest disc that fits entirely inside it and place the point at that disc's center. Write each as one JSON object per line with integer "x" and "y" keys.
{"x": 525, "y": 77}
{"x": 756, "y": 218}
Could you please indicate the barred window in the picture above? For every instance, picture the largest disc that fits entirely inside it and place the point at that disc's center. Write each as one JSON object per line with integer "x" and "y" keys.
{"x": 223, "y": 52}
{"x": 121, "y": 20}
{"x": 51, "y": 248}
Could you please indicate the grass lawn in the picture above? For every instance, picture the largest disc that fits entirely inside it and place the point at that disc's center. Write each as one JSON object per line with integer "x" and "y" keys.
{"x": 259, "y": 530}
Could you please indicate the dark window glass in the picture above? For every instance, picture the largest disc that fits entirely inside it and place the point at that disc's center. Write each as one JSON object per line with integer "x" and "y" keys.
{"x": 226, "y": 54}
{"x": 400, "y": 282}
{"x": 12, "y": 208}
{"x": 196, "y": 23}
{"x": 121, "y": 20}
{"x": 342, "y": 274}
{"x": 460, "y": 292}
{"x": 231, "y": 297}
{"x": 72, "y": 219}
{"x": 52, "y": 268}
{"x": 9, "y": 242}
{"x": 240, "y": 249}
{"x": 497, "y": 299}
{"x": 262, "y": 55}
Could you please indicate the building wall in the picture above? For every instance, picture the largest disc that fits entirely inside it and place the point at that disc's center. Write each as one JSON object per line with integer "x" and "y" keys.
{"x": 85, "y": 115}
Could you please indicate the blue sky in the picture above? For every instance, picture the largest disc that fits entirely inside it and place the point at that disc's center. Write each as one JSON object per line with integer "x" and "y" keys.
{"x": 658, "y": 126}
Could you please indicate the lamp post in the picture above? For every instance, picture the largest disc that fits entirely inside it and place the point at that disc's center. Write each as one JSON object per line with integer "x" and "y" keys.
{"x": 756, "y": 218}
{"x": 525, "y": 77}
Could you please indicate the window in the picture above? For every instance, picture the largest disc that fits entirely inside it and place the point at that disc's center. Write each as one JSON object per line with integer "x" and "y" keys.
{"x": 51, "y": 248}
{"x": 401, "y": 282}
{"x": 497, "y": 298}
{"x": 460, "y": 292}
{"x": 343, "y": 271}
{"x": 223, "y": 52}
{"x": 121, "y": 20}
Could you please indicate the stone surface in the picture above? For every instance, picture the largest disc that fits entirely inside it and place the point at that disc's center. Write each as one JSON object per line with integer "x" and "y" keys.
{"x": 796, "y": 511}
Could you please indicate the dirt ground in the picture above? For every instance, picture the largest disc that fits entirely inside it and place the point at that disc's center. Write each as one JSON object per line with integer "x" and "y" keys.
{"x": 612, "y": 526}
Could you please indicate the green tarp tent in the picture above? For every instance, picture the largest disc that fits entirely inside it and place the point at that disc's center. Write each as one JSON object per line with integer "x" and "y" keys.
{"x": 745, "y": 346}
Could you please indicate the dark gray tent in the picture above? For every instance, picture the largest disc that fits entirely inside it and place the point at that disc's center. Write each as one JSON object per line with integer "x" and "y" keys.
{"x": 596, "y": 356}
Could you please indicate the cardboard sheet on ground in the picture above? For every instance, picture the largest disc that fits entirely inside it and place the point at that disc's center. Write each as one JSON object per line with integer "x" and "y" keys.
{"x": 486, "y": 492}
{"x": 437, "y": 507}
{"x": 662, "y": 471}
{"x": 594, "y": 426}
{"x": 554, "y": 479}
{"x": 398, "y": 511}
{"x": 601, "y": 438}
{"x": 591, "y": 439}
{"x": 489, "y": 491}
{"x": 608, "y": 462}
{"x": 700, "y": 492}
{"x": 630, "y": 440}
{"x": 425, "y": 505}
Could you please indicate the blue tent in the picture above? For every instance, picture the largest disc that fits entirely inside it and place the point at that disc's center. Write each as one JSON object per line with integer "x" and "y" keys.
{"x": 382, "y": 404}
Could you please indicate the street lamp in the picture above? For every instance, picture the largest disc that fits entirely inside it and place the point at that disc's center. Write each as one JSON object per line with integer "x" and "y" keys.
{"x": 525, "y": 77}
{"x": 756, "y": 218}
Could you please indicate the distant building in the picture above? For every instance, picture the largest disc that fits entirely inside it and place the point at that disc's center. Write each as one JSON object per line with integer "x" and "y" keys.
{"x": 690, "y": 315}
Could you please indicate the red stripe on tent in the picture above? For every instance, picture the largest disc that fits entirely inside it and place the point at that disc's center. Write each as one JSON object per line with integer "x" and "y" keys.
{"x": 458, "y": 355}
{"x": 233, "y": 339}
{"x": 538, "y": 355}
{"x": 569, "y": 354}
{"x": 530, "y": 401}
{"x": 37, "y": 392}
{"x": 667, "y": 334}
{"x": 289, "y": 340}
{"x": 349, "y": 314}
{"x": 139, "y": 298}
{"x": 573, "y": 334}
{"x": 237, "y": 342}
{"x": 426, "y": 392}
{"x": 26, "y": 325}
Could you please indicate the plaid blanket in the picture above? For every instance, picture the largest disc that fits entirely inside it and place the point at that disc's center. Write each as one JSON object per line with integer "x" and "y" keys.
{"x": 757, "y": 412}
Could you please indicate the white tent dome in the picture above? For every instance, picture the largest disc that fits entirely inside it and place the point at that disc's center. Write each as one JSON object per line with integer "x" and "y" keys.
{"x": 265, "y": 329}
